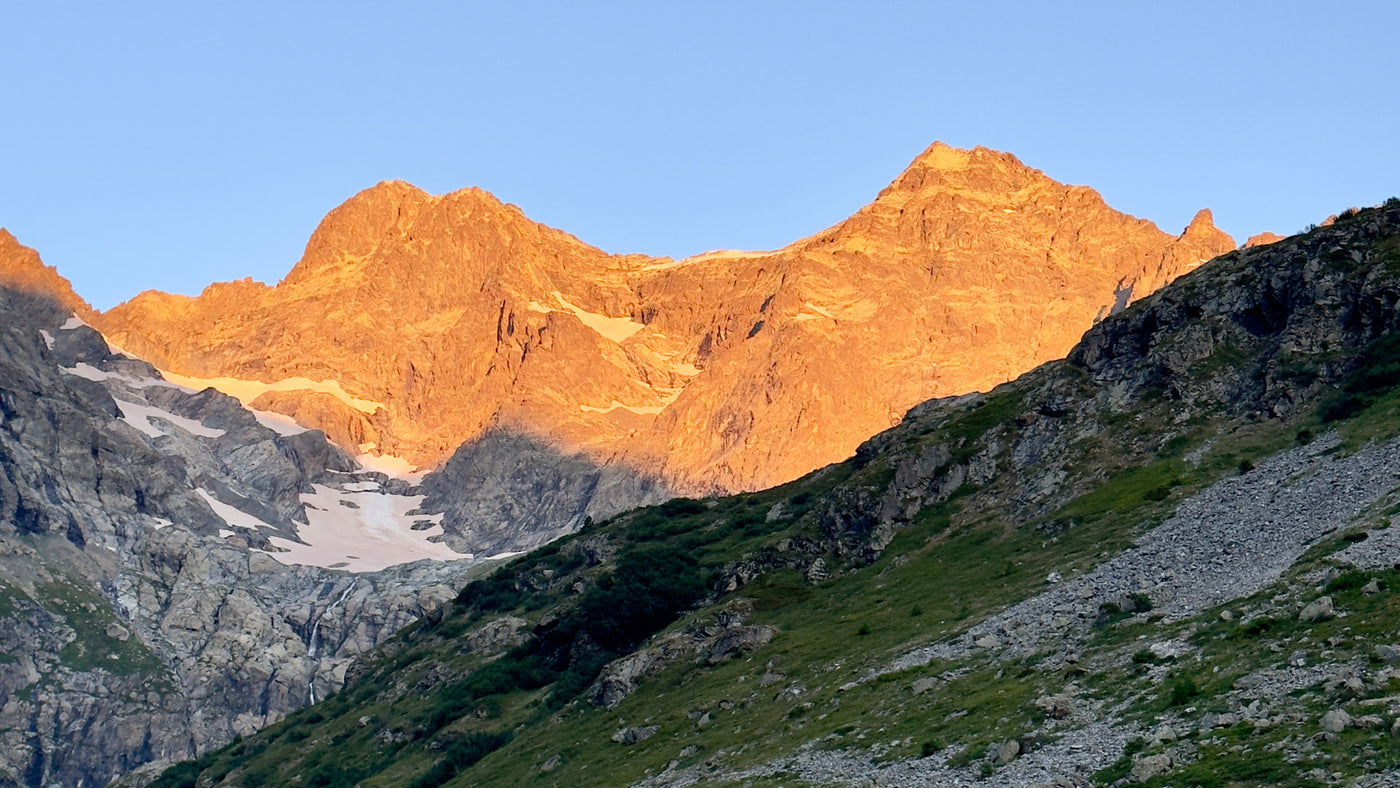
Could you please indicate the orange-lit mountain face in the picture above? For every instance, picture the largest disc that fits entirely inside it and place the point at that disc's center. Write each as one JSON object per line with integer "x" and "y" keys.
{"x": 417, "y": 322}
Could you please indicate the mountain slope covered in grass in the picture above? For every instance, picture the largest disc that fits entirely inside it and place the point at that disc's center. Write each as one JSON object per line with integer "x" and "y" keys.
{"x": 1166, "y": 558}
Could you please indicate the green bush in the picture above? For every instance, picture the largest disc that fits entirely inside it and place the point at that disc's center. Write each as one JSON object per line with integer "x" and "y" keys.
{"x": 1348, "y": 581}
{"x": 1377, "y": 372}
{"x": 1183, "y": 690}
{"x": 461, "y": 755}
{"x": 651, "y": 586}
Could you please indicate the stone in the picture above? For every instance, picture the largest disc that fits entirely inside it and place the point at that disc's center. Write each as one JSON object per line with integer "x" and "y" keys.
{"x": 1059, "y": 706}
{"x": 1319, "y": 609}
{"x": 1336, "y": 721}
{"x": 922, "y": 685}
{"x": 630, "y": 736}
{"x": 1146, "y": 767}
{"x": 1002, "y": 753}
{"x": 1163, "y": 733}
{"x": 737, "y": 641}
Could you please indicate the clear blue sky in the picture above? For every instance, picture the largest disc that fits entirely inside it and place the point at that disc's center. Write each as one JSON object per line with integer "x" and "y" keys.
{"x": 148, "y": 145}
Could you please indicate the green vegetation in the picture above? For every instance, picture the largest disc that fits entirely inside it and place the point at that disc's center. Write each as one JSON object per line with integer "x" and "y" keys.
{"x": 93, "y": 647}
{"x": 1376, "y": 374}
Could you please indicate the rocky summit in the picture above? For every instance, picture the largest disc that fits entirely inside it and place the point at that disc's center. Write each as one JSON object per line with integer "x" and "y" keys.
{"x": 1168, "y": 559}
{"x": 416, "y": 324}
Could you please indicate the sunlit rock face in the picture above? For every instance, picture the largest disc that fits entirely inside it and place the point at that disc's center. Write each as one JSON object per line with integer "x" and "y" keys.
{"x": 415, "y": 323}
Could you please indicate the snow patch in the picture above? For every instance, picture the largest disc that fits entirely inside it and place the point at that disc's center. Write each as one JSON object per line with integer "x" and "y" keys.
{"x": 389, "y": 465}
{"x": 88, "y": 371}
{"x": 85, "y": 370}
{"x": 245, "y": 391}
{"x": 372, "y": 532}
{"x": 48, "y": 338}
{"x": 717, "y": 254}
{"x": 158, "y": 523}
{"x": 668, "y": 396}
{"x": 72, "y": 323}
{"x": 277, "y": 422}
{"x": 140, "y": 416}
{"x": 231, "y": 515}
{"x": 616, "y": 329}
{"x": 640, "y": 410}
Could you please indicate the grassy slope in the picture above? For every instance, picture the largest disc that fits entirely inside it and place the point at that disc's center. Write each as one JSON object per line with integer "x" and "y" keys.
{"x": 425, "y": 708}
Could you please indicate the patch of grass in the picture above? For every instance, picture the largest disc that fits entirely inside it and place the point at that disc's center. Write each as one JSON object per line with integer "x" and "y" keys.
{"x": 90, "y": 616}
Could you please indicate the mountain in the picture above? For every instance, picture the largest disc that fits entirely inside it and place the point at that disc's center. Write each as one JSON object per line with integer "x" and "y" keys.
{"x": 1165, "y": 559}
{"x": 415, "y": 324}
{"x": 184, "y": 562}
{"x": 167, "y": 573}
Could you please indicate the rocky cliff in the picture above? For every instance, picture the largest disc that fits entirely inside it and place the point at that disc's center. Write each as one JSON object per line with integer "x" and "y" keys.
{"x": 417, "y": 323}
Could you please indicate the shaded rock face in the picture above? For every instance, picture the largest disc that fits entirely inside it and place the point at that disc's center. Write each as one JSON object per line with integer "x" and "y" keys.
{"x": 136, "y": 625}
{"x": 447, "y": 317}
{"x": 521, "y": 492}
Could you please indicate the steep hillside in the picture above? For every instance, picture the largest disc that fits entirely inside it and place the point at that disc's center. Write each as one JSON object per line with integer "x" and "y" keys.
{"x": 442, "y": 320}
{"x": 1165, "y": 559}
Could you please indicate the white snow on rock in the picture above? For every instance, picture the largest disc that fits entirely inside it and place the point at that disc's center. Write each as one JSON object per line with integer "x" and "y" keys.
{"x": 277, "y": 422}
{"x": 362, "y": 531}
{"x": 85, "y": 370}
{"x": 245, "y": 391}
{"x": 48, "y": 338}
{"x": 141, "y": 417}
{"x": 617, "y": 329}
{"x": 232, "y": 515}
{"x": 72, "y": 323}
{"x": 389, "y": 465}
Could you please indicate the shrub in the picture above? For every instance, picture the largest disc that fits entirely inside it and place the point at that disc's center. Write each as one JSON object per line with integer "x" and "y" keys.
{"x": 1258, "y": 626}
{"x": 461, "y": 754}
{"x": 1140, "y": 602}
{"x": 1246, "y": 465}
{"x": 649, "y": 589}
{"x": 1183, "y": 690}
{"x": 682, "y": 507}
{"x": 1348, "y": 581}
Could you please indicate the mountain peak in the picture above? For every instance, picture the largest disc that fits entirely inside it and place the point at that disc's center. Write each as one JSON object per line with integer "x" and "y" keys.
{"x": 1202, "y": 229}
{"x": 21, "y": 269}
